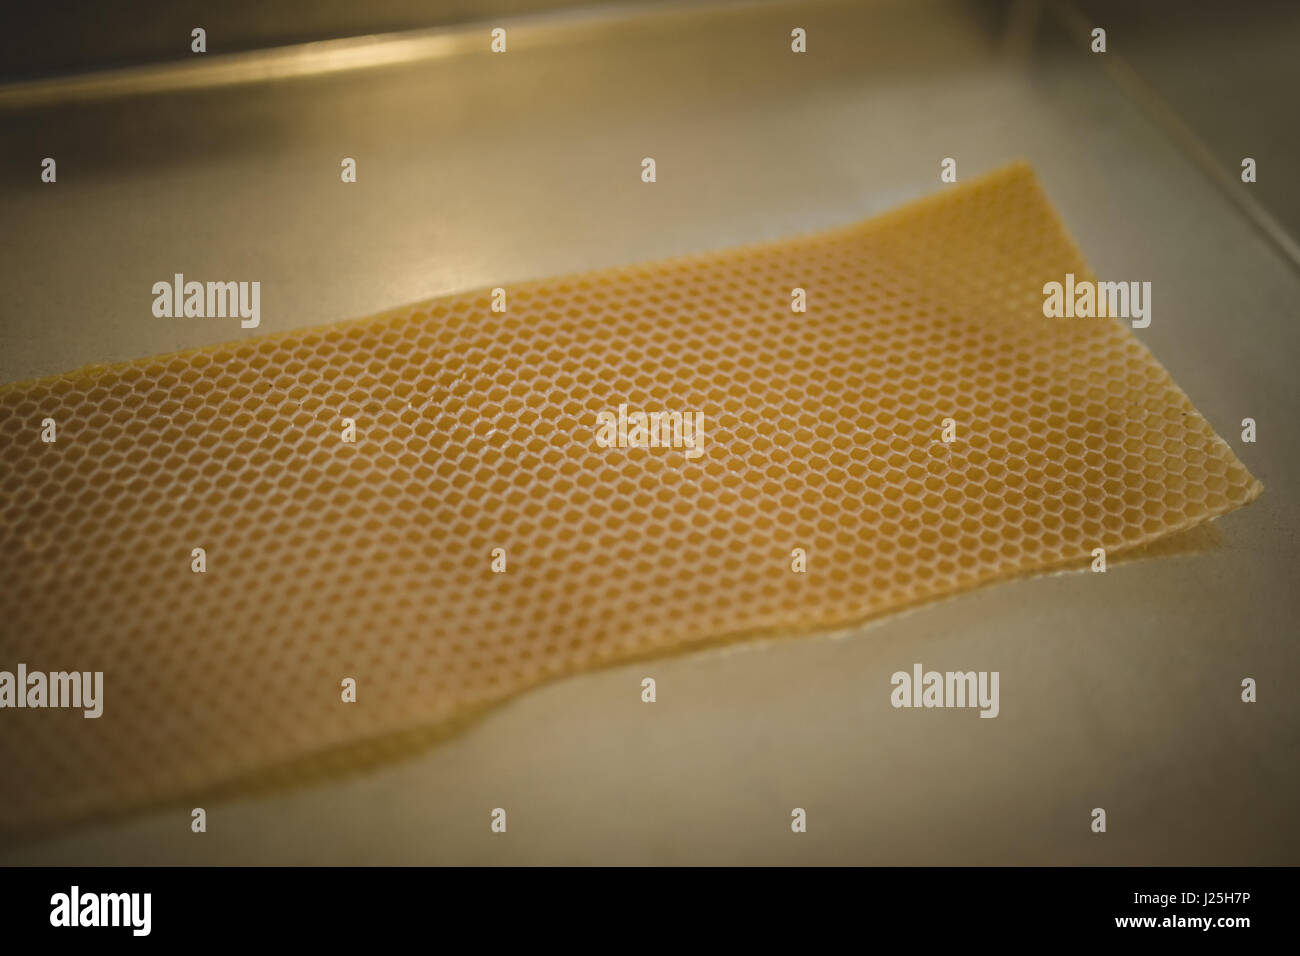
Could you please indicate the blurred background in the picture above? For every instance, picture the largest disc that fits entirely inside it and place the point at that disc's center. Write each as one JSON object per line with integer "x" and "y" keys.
{"x": 473, "y": 168}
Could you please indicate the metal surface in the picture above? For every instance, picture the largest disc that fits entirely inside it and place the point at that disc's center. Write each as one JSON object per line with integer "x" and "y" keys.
{"x": 1118, "y": 690}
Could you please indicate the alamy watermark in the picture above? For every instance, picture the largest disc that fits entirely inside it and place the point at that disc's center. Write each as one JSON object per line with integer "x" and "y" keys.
{"x": 1086, "y": 299}
{"x": 211, "y": 300}
{"x": 948, "y": 689}
{"x": 76, "y": 908}
{"x": 55, "y": 689}
{"x": 624, "y": 429}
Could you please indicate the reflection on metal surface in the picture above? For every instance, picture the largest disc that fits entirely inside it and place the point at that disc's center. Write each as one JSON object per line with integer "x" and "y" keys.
{"x": 323, "y": 56}
{"x": 306, "y": 59}
{"x": 1145, "y": 95}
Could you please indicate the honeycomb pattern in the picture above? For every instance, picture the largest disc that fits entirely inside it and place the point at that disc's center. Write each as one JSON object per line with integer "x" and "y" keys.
{"x": 476, "y": 430}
